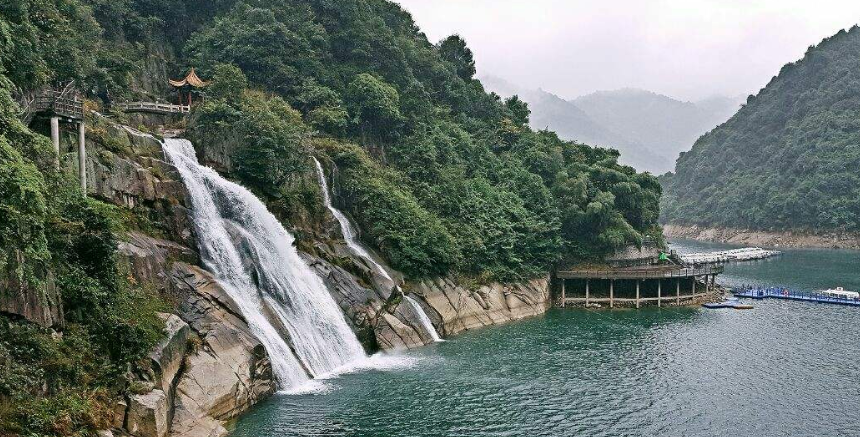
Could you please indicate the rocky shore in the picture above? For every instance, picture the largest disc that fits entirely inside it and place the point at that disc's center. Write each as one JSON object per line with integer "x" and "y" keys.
{"x": 831, "y": 240}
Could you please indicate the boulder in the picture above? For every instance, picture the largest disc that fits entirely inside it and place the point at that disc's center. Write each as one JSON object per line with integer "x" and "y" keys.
{"x": 392, "y": 333}
{"x": 147, "y": 414}
{"x": 167, "y": 356}
{"x": 229, "y": 372}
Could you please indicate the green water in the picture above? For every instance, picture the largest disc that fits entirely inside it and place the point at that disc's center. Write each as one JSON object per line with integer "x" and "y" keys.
{"x": 782, "y": 369}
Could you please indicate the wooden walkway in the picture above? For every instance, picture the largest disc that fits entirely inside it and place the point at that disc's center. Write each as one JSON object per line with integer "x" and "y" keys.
{"x": 61, "y": 101}
{"x": 153, "y": 107}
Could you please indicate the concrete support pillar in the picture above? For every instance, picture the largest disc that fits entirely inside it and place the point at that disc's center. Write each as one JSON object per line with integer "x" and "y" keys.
{"x": 694, "y": 285}
{"x": 707, "y": 284}
{"x": 55, "y": 137}
{"x": 586, "y": 291}
{"x": 611, "y": 293}
{"x": 659, "y": 294}
{"x": 563, "y": 297}
{"x": 677, "y": 292}
{"x": 82, "y": 156}
{"x": 637, "y": 293}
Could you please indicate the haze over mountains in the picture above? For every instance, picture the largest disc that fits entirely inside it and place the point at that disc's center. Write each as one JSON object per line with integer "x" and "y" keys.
{"x": 649, "y": 129}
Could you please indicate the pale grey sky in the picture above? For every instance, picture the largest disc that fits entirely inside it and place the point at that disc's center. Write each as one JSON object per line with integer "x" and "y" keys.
{"x": 684, "y": 48}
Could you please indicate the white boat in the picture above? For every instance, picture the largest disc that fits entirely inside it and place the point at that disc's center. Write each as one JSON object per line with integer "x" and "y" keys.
{"x": 840, "y": 293}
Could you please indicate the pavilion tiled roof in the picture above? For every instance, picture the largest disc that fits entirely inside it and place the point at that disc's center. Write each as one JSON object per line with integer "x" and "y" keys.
{"x": 190, "y": 79}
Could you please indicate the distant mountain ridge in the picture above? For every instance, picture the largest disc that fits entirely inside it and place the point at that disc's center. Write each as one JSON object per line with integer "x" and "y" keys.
{"x": 649, "y": 129}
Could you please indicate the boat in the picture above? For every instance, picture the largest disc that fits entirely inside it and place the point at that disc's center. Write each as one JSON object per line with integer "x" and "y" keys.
{"x": 731, "y": 302}
{"x": 840, "y": 293}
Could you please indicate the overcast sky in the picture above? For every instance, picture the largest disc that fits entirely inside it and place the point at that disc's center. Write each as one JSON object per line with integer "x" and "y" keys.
{"x": 688, "y": 49}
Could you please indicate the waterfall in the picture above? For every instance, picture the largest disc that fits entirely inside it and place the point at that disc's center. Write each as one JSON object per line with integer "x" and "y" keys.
{"x": 352, "y": 242}
{"x": 287, "y": 306}
{"x": 422, "y": 317}
{"x": 346, "y": 228}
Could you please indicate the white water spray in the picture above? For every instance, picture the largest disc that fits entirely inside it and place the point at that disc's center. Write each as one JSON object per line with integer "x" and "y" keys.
{"x": 287, "y": 306}
{"x": 352, "y": 242}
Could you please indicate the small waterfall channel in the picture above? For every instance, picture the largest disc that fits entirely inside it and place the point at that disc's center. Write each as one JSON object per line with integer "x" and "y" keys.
{"x": 286, "y": 304}
{"x": 352, "y": 242}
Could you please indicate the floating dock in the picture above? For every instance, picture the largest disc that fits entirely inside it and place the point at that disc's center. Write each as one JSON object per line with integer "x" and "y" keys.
{"x": 786, "y": 293}
{"x": 724, "y": 256}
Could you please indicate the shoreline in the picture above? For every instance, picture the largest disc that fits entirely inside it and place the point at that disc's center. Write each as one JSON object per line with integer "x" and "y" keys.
{"x": 747, "y": 237}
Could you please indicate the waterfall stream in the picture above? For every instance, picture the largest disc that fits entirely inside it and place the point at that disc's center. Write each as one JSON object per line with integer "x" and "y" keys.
{"x": 352, "y": 242}
{"x": 422, "y": 317}
{"x": 287, "y": 306}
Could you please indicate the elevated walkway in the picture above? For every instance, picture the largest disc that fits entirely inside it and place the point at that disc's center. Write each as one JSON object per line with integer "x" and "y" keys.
{"x": 635, "y": 286}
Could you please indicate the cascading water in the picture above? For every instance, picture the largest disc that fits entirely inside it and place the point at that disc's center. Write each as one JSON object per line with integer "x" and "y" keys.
{"x": 352, "y": 242}
{"x": 286, "y": 304}
{"x": 422, "y": 317}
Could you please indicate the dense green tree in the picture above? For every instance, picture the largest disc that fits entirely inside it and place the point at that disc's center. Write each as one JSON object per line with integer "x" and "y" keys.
{"x": 454, "y": 50}
{"x": 374, "y": 106}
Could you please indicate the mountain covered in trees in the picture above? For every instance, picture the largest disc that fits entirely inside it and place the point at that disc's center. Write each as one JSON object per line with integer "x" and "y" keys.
{"x": 649, "y": 129}
{"x": 442, "y": 177}
{"x": 788, "y": 159}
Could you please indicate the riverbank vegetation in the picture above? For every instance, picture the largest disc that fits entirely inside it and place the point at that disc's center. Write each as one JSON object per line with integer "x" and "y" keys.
{"x": 786, "y": 160}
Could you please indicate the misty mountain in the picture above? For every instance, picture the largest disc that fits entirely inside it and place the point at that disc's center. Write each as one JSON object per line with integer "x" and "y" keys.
{"x": 649, "y": 129}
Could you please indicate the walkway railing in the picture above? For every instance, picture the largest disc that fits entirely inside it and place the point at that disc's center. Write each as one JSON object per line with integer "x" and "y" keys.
{"x": 61, "y": 101}
{"x": 786, "y": 293}
{"x": 152, "y": 107}
{"x": 686, "y": 272}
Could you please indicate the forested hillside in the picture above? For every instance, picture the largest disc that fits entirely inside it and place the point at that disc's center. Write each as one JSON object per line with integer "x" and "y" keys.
{"x": 788, "y": 159}
{"x": 441, "y": 176}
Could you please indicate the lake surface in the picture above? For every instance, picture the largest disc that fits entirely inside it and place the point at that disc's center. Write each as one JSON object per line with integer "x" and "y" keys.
{"x": 782, "y": 369}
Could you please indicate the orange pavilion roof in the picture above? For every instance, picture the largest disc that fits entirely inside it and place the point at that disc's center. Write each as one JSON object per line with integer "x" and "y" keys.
{"x": 190, "y": 79}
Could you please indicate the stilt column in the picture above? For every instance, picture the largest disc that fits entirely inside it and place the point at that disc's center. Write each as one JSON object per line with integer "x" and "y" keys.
{"x": 637, "y": 293}
{"x": 586, "y": 291}
{"x": 677, "y": 292}
{"x": 82, "y": 157}
{"x": 659, "y": 294}
{"x": 55, "y": 137}
{"x": 563, "y": 297}
{"x": 611, "y": 293}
